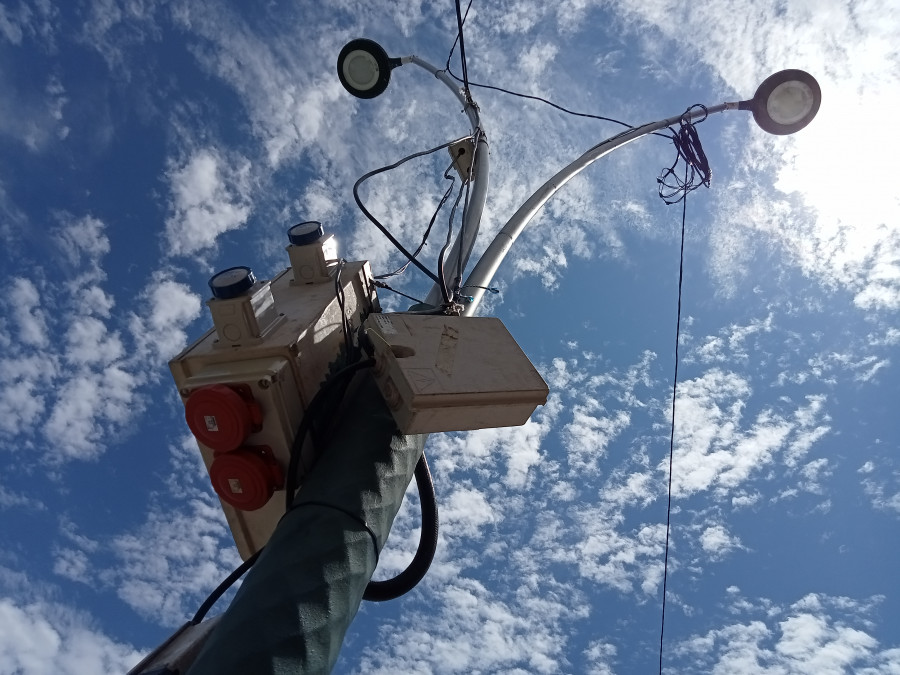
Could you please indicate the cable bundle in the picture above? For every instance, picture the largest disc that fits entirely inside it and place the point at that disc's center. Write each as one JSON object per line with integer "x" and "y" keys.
{"x": 690, "y": 151}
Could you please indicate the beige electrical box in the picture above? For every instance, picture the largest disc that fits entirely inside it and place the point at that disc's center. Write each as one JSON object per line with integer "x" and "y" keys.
{"x": 452, "y": 373}
{"x": 247, "y": 382}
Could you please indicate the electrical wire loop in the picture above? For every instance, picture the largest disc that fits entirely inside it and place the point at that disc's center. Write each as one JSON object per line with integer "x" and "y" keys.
{"x": 411, "y": 257}
{"x": 672, "y": 189}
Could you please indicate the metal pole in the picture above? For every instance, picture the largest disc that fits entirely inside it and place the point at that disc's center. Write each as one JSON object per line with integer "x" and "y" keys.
{"x": 490, "y": 261}
{"x": 463, "y": 245}
{"x": 292, "y": 611}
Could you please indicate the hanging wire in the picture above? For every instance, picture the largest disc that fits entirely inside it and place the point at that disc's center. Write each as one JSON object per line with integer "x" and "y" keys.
{"x": 431, "y": 275}
{"x": 672, "y": 189}
{"x": 467, "y": 83}
{"x": 462, "y": 49}
{"x": 445, "y": 288}
{"x": 424, "y": 241}
{"x": 552, "y": 104}
{"x": 383, "y": 285}
{"x": 662, "y": 626}
{"x": 458, "y": 32}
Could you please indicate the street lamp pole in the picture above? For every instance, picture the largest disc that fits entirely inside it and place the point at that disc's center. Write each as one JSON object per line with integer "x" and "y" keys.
{"x": 292, "y": 612}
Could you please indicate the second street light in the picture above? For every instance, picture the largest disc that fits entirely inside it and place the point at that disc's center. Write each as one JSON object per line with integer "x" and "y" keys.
{"x": 783, "y": 104}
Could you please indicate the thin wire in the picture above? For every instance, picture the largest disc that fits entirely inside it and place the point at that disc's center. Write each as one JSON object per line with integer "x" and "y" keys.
{"x": 690, "y": 151}
{"x": 550, "y": 103}
{"x": 662, "y": 627}
{"x": 431, "y": 275}
{"x": 462, "y": 50}
{"x": 445, "y": 289}
{"x": 468, "y": 83}
{"x": 383, "y": 285}
{"x": 423, "y": 243}
{"x": 456, "y": 39}
{"x": 227, "y": 583}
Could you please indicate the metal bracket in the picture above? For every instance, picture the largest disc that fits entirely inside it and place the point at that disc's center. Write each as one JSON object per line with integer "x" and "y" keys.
{"x": 463, "y": 154}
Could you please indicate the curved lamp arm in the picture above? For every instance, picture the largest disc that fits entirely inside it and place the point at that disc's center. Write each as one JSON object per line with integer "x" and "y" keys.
{"x": 490, "y": 261}
{"x": 783, "y": 104}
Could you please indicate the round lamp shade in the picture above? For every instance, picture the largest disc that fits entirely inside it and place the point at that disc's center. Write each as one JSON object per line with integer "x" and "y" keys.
{"x": 364, "y": 68}
{"x": 786, "y": 102}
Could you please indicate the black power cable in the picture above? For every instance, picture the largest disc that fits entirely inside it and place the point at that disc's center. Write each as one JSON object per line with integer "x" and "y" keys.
{"x": 690, "y": 151}
{"x": 409, "y": 256}
{"x": 219, "y": 590}
{"x": 462, "y": 49}
{"x": 379, "y": 591}
{"x": 445, "y": 288}
{"x": 311, "y": 415}
{"x": 386, "y": 287}
{"x": 424, "y": 242}
{"x": 467, "y": 83}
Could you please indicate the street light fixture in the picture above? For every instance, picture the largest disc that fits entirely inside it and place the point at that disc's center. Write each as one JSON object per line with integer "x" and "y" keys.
{"x": 785, "y": 102}
{"x": 364, "y": 68}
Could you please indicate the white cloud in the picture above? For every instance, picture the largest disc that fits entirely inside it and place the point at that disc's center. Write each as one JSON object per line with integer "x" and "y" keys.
{"x": 22, "y": 400}
{"x": 9, "y": 24}
{"x": 26, "y": 116}
{"x": 210, "y": 196}
{"x": 89, "y": 406}
{"x": 465, "y": 512}
{"x": 716, "y": 541}
{"x": 882, "y": 486}
{"x": 713, "y": 451}
{"x": 191, "y": 553}
{"x": 167, "y": 307}
{"x": 44, "y": 638}
{"x": 536, "y": 58}
{"x": 24, "y": 301}
{"x": 72, "y": 564}
{"x": 800, "y": 638}
{"x": 165, "y": 567}
{"x": 588, "y": 436}
{"x": 12, "y": 499}
{"x": 71, "y": 380}
{"x": 473, "y": 630}
{"x": 519, "y": 445}
{"x": 83, "y": 240}
{"x": 289, "y": 101}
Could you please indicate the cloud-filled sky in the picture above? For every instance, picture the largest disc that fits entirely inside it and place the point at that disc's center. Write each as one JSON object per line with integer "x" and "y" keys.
{"x": 146, "y": 144}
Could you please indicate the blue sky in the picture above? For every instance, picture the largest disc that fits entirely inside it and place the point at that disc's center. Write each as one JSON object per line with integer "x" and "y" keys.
{"x": 146, "y": 144}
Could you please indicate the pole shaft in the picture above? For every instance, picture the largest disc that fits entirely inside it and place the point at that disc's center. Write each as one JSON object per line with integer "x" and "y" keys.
{"x": 292, "y": 611}
{"x": 463, "y": 245}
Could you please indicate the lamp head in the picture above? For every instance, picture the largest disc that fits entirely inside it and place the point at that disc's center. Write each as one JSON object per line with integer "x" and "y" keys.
{"x": 364, "y": 68}
{"x": 785, "y": 102}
